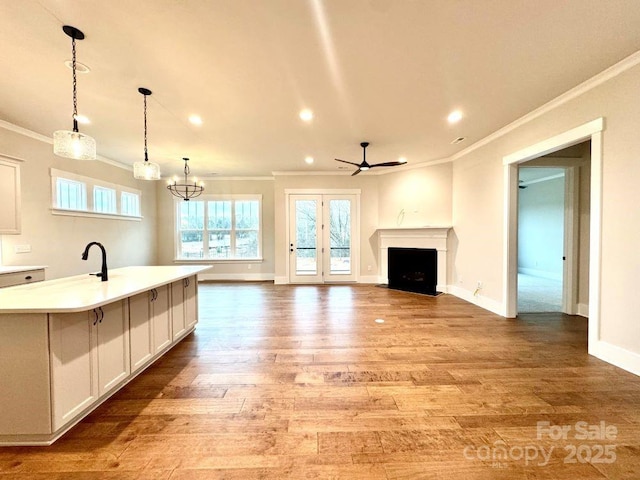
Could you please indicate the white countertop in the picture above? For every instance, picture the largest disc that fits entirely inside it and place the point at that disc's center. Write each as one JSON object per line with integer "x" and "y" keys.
{"x": 17, "y": 269}
{"x": 84, "y": 292}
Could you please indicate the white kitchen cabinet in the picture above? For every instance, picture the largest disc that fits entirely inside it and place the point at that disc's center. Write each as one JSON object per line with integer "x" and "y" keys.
{"x": 112, "y": 346}
{"x": 160, "y": 318}
{"x": 16, "y": 276}
{"x": 9, "y": 196}
{"x": 140, "y": 334}
{"x": 89, "y": 357}
{"x": 149, "y": 324}
{"x": 184, "y": 311}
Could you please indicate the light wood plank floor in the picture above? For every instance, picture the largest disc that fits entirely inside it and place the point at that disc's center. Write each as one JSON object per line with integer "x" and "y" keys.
{"x": 301, "y": 382}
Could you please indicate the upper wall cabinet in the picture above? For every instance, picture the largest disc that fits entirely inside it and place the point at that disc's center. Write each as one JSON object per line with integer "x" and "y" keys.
{"x": 9, "y": 196}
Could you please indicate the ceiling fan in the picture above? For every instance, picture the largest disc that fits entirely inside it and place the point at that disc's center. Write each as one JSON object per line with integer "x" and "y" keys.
{"x": 365, "y": 166}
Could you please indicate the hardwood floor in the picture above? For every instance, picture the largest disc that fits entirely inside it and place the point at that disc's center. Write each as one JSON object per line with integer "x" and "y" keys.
{"x": 301, "y": 382}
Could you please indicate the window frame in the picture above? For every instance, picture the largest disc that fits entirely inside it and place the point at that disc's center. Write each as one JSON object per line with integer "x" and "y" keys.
{"x": 90, "y": 184}
{"x": 205, "y": 199}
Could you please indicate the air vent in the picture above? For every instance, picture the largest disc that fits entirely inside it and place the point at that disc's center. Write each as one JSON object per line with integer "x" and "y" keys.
{"x": 458, "y": 140}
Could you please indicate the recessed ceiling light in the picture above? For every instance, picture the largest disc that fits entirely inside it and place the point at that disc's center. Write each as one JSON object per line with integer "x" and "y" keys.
{"x": 306, "y": 115}
{"x": 82, "y": 119}
{"x": 308, "y": 160}
{"x": 80, "y": 67}
{"x": 454, "y": 116}
{"x": 195, "y": 119}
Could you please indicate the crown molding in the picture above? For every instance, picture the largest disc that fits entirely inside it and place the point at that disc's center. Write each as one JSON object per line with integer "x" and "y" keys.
{"x": 595, "y": 81}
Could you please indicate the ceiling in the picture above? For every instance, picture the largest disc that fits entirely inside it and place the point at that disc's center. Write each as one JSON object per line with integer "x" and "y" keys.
{"x": 384, "y": 71}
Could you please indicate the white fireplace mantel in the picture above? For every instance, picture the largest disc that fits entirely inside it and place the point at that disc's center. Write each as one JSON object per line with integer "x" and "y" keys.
{"x": 415, "y": 237}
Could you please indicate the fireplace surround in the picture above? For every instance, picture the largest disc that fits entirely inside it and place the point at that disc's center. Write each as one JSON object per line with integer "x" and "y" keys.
{"x": 418, "y": 237}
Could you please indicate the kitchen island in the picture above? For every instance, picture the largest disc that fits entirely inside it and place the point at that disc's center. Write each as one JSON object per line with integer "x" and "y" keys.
{"x": 67, "y": 345}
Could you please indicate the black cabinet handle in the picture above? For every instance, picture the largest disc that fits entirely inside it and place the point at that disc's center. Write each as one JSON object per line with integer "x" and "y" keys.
{"x": 28, "y": 277}
{"x": 101, "y": 315}
{"x": 95, "y": 321}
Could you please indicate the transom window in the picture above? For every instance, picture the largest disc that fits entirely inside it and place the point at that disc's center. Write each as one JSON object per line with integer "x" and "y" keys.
{"x": 77, "y": 195}
{"x": 219, "y": 228}
{"x": 70, "y": 194}
{"x": 104, "y": 200}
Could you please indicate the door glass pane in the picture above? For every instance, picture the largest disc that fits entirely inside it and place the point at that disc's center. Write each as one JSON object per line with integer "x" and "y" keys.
{"x": 340, "y": 236}
{"x": 306, "y": 252}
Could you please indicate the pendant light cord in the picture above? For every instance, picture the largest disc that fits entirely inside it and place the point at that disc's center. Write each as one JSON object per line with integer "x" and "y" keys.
{"x": 146, "y": 156}
{"x": 75, "y": 83}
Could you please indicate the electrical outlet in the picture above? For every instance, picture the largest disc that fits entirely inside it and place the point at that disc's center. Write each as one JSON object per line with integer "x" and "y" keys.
{"x": 249, "y": 266}
{"x": 22, "y": 248}
{"x": 369, "y": 268}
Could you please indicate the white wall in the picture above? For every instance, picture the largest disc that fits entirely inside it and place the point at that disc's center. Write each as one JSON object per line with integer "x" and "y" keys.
{"x": 478, "y": 206}
{"x": 58, "y": 241}
{"x": 417, "y": 197}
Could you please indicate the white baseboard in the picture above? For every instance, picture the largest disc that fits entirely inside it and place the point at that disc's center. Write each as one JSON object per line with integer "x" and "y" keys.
{"x": 236, "y": 277}
{"x": 369, "y": 279}
{"x": 583, "y": 310}
{"x": 541, "y": 273}
{"x": 280, "y": 280}
{"x": 479, "y": 300}
{"x": 618, "y": 356}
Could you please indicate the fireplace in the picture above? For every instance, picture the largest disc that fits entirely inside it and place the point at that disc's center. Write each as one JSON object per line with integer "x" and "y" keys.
{"x": 428, "y": 237}
{"x": 413, "y": 269}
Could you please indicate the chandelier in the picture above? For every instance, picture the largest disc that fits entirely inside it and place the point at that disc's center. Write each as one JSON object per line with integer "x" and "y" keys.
{"x": 72, "y": 143}
{"x": 146, "y": 170}
{"x": 185, "y": 190}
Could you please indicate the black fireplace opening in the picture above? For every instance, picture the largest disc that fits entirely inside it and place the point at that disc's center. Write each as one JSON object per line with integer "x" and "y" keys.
{"x": 413, "y": 269}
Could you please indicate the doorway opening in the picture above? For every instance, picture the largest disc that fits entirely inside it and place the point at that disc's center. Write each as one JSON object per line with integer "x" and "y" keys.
{"x": 541, "y": 232}
{"x": 591, "y": 132}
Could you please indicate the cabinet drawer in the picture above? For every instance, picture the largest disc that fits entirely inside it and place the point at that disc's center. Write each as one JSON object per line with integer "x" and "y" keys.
{"x": 19, "y": 278}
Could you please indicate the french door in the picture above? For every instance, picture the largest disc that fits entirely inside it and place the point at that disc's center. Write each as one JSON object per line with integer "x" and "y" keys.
{"x": 323, "y": 238}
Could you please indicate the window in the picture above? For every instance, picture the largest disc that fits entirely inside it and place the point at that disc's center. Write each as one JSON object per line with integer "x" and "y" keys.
{"x": 70, "y": 194}
{"x": 219, "y": 228}
{"x": 130, "y": 204}
{"x": 104, "y": 200}
{"x": 85, "y": 196}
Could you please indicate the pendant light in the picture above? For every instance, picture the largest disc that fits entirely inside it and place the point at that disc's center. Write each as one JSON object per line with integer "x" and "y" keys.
{"x": 146, "y": 170}
{"x": 185, "y": 190}
{"x": 73, "y": 144}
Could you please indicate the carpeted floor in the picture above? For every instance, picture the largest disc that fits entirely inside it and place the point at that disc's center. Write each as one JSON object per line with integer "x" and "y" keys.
{"x": 536, "y": 294}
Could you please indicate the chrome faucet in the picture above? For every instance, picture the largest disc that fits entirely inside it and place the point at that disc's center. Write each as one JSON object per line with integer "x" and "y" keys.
{"x": 103, "y": 272}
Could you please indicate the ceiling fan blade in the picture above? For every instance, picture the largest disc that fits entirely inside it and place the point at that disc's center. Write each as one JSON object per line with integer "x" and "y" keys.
{"x": 344, "y": 161}
{"x": 356, "y": 172}
{"x": 387, "y": 164}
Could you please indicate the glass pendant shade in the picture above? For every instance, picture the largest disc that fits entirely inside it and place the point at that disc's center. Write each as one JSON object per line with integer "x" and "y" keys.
{"x": 72, "y": 143}
{"x": 76, "y": 145}
{"x": 146, "y": 170}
